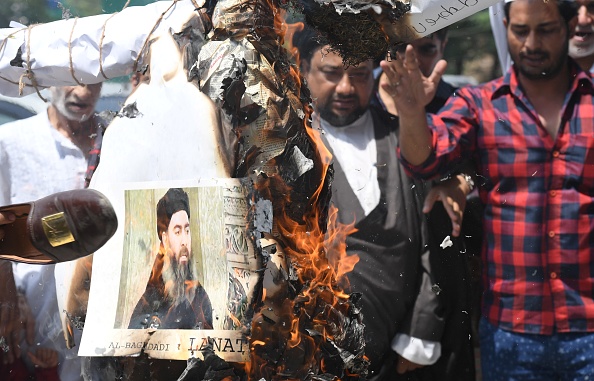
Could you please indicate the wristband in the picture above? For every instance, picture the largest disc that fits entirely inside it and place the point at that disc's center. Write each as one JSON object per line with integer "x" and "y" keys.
{"x": 468, "y": 180}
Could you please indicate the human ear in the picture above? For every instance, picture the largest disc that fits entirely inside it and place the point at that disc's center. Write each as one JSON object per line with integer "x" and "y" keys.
{"x": 165, "y": 239}
{"x": 304, "y": 67}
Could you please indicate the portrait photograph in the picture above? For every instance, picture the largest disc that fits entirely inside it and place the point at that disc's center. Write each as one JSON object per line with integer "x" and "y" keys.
{"x": 183, "y": 277}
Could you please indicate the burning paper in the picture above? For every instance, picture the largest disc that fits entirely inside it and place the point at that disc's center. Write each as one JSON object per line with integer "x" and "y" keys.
{"x": 300, "y": 322}
{"x": 93, "y": 49}
{"x": 367, "y": 29}
{"x": 73, "y": 51}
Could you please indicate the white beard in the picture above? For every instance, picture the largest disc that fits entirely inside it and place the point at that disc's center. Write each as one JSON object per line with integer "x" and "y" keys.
{"x": 579, "y": 49}
{"x": 580, "y": 52}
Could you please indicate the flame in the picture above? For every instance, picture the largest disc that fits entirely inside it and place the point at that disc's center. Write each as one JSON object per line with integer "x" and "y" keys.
{"x": 317, "y": 253}
{"x": 291, "y": 30}
{"x": 295, "y": 323}
{"x": 69, "y": 329}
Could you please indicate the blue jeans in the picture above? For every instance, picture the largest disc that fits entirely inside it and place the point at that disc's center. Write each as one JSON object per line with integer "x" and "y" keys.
{"x": 507, "y": 356}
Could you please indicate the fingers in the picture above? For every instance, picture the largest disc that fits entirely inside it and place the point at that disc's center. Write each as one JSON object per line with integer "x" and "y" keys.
{"x": 430, "y": 200}
{"x": 400, "y": 68}
{"x": 401, "y": 368}
{"x": 51, "y": 359}
{"x": 30, "y": 329}
{"x": 12, "y": 349}
{"x": 456, "y": 229}
{"x": 405, "y": 365}
{"x": 389, "y": 68}
{"x": 35, "y": 360}
{"x": 410, "y": 61}
{"x": 44, "y": 357}
{"x": 6, "y": 218}
{"x": 5, "y": 319}
{"x": 438, "y": 71}
{"x": 453, "y": 210}
{"x": 409, "y": 67}
{"x": 26, "y": 319}
{"x": 9, "y": 316}
{"x": 409, "y": 88}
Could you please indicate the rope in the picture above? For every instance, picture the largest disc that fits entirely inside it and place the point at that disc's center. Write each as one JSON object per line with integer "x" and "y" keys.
{"x": 29, "y": 72}
{"x": 135, "y": 67}
{"x": 70, "y": 54}
{"x": 3, "y": 44}
{"x": 101, "y": 41}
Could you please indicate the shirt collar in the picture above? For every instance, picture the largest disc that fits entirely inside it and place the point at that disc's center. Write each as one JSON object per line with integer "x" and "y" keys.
{"x": 509, "y": 84}
{"x": 359, "y": 124}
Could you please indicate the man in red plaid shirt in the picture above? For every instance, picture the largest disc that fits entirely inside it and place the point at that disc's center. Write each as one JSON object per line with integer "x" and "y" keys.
{"x": 531, "y": 134}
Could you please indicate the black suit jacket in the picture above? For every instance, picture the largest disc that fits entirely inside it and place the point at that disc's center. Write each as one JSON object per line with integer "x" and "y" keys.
{"x": 410, "y": 284}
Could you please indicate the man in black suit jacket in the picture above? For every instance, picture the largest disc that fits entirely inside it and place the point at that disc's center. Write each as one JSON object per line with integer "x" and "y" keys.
{"x": 402, "y": 302}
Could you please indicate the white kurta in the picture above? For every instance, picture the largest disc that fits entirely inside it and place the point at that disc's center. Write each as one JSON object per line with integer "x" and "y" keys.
{"x": 354, "y": 148}
{"x": 35, "y": 161}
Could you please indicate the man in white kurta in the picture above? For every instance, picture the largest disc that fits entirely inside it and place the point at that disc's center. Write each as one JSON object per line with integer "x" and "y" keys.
{"x": 41, "y": 155}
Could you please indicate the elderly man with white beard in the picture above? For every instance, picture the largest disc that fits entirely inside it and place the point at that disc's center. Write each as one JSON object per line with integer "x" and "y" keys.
{"x": 581, "y": 44}
{"x": 51, "y": 152}
{"x": 174, "y": 298}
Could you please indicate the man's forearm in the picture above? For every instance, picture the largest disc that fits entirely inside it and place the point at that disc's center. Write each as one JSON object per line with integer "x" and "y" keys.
{"x": 415, "y": 138}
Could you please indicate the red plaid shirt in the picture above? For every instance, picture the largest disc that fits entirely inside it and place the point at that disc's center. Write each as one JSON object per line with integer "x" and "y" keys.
{"x": 538, "y": 193}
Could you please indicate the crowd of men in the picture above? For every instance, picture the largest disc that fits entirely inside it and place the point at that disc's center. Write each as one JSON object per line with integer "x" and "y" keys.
{"x": 401, "y": 139}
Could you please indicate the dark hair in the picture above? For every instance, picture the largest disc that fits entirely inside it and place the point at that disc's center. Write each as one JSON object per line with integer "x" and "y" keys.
{"x": 440, "y": 34}
{"x": 567, "y": 8}
{"x": 175, "y": 199}
{"x": 308, "y": 41}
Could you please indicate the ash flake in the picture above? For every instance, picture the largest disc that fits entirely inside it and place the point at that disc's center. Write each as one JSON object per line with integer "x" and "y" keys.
{"x": 263, "y": 216}
{"x": 435, "y": 288}
{"x": 447, "y": 242}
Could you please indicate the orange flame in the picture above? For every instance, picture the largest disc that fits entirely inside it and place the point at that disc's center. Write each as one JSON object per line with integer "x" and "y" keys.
{"x": 318, "y": 255}
{"x": 291, "y": 30}
{"x": 296, "y": 328}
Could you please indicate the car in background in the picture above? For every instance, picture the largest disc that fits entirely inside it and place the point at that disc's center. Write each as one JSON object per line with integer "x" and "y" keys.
{"x": 113, "y": 96}
{"x": 459, "y": 80}
{"x": 12, "y": 109}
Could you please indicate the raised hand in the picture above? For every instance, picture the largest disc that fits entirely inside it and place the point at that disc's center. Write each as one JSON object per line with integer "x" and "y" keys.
{"x": 405, "y": 365}
{"x": 44, "y": 358}
{"x": 409, "y": 88}
{"x": 452, "y": 193}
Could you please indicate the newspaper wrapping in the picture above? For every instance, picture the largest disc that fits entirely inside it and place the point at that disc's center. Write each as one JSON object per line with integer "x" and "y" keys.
{"x": 93, "y": 49}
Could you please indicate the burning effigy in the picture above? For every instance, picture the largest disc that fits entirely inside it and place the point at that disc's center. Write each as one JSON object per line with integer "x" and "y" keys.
{"x": 223, "y": 118}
